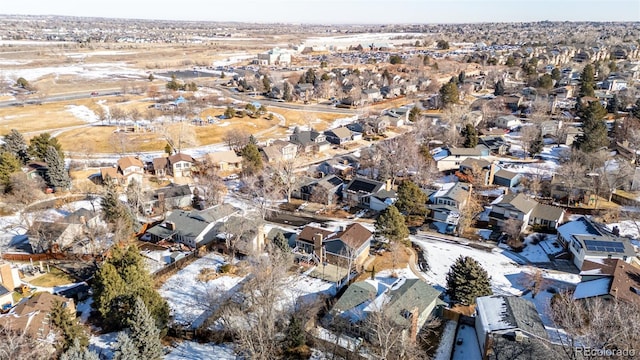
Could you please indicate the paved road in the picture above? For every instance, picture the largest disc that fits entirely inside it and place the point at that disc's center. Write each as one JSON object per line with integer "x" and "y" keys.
{"x": 33, "y": 100}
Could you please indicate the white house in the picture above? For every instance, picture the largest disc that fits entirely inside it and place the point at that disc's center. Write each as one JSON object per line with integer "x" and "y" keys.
{"x": 507, "y": 122}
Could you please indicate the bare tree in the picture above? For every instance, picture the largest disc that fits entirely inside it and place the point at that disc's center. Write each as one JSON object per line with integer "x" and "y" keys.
{"x": 284, "y": 173}
{"x": 179, "y": 135}
{"x": 468, "y": 214}
{"x": 572, "y": 174}
{"x": 258, "y": 321}
{"x": 236, "y": 139}
{"x": 262, "y": 191}
{"x": 17, "y": 345}
{"x": 120, "y": 142}
{"x": 527, "y": 135}
{"x": 211, "y": 187}
{"x": 513, "y": 228}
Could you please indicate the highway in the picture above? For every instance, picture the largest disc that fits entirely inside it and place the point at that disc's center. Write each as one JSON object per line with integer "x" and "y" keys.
{"x": 34, "y": 100}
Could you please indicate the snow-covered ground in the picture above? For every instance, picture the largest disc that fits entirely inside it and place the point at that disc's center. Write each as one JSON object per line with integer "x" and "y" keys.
{"x": 190, "y": 350}
{"x": 87, "y": 71}
{"x": 440, "y": 257}
{"x": 188, "y": 297}
{"x": 83, "y": 113}
{"x": 447, "y": 339}
{"x": 103, "y": 344}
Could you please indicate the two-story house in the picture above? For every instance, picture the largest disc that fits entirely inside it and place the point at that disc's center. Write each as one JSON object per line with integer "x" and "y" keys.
{"x": 179, "y": 165}
{"x": 128, "y": 168}
{"x": 348, "y": 245}
{"x": 451, "y": 158}
{"x": 523, "y": 208}
{"x": 338, "y": 136}
{"x": 309, "y": 141}
{"x": 279, "y": 150}
{"x": 369, "y": 194}
{"x": 587, "y": 240}
{"x": 447, "y": 203}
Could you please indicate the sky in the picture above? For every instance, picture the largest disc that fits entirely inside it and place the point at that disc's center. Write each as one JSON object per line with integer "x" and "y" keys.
{"x": 337, "y": 11}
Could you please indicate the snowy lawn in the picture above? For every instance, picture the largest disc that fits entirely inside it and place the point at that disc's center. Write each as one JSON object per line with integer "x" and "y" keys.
{"x": 103, "y": 344}
{"x": 190, "y": 350}
{"x": 537, "y": 253}
{"x": 446, "y": 341}
{"x": 440, "y": 257}
{"x": 188, "y": 297}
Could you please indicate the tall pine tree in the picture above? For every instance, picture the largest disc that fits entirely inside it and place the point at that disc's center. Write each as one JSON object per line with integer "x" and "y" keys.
{"x": 57, "y": 176}
{"x": 78, "y": 352}
{"x": 587, "y": 81}
{"x": 125, "y": 348}
{"x": 251, "y": 159}
{"x": 594, "y": 135}
{"x": 9, "y": 164}
{"x": 470, "y": 136}
{"x": 38, "y": 146}
{"x": 390, "y": 223}
{"x": 411, "y": 199}
{"x": 72, "y": 332}
{"x": 15, "y": 144}
{"x": 144, "y": 332}
{"x": 537, "y": 145}
{"x": 466, "y": 281}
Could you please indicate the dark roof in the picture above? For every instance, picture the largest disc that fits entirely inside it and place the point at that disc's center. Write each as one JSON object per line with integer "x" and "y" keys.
{"x": 356, "y": 294}
{"x": 173, "y": 191}
{"x": 518, "y": 201}
{"x": 410, "y": 294}
{"x": 354, "y": 235}
{"x": 308, "y": 232}
{"x": 77, "y": 216}
{"x": 3, "y": 290}
{"x": 506, "y": 174}
{"x": 364, "y": 185}
{"x": 547, "y": 212}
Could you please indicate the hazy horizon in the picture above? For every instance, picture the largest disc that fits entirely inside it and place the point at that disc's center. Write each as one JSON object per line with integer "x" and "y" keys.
{"x": 338, "y": 12}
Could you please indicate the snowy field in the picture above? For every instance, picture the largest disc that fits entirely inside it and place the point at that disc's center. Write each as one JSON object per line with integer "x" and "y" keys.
{"x": 188, "y": 297}
{"x": 190, "y": 350}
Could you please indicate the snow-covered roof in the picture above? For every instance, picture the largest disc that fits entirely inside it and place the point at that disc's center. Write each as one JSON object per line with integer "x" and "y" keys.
{"x": 491, "y": 310}
{"x": 592, "y": 288}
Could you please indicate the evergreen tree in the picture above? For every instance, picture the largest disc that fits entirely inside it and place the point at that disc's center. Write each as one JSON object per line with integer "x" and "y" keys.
{"x": 537, "y": 145}
{"x": 121, "y": 280}
{"x": 15, "y": 144}
{"x": 251, "y": 159}
{"x": 510, "y": 61}
{"x": 499, "y": 88}
{"x": 449, "y": 94}
{"x": 613, "y": 104}
{"x": 38, "y": 146}
{"x": 125, "y": 348}
{"x": 467, "y": 280}
{"x": 295, "y": 333}
{"x": 281, "y": 242}
{"x": 414, "y": 114}
{"x": 587, "y": 81}
{"x": 286, "y": 91}
{"x": 390, "y": 223}
{"x": 143, "y": 332}
{"x": 545, "y": 82}
{"x": 635, "y": 110}
{"x": 72, "y": 332}
{"x": 594, "y": 135}
{"x": 556, "y": 74}
{"x": 9, "y": 164}
{"x": 411, "y": 199}
{"x": 57, "y": 176}
{"x": 78, "y": 352}
{"x": 470, "y": 136}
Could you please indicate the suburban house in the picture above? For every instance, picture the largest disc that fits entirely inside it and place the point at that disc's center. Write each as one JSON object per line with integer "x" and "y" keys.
{"x": 371, "y": 95}
{"x": 309, "y": 141}
{"x": 191, "y": 228}
{"x": 522, "y": 208}
{"x": 36, "y": 169}
{"x": 509, "y": 122}
{"x": 400, "y": 113}
{"x": 127, "y": 168}
{"x": 32, "y": 317}
{"x": 408, "y": 303}
{"x": 45, "y": 236}
{"x": 588, "y": 240}
{"x": 496, "y": 144}
{"x": 350, "y": 245}
{"x": 506, "y": 178}
{"x": 451, "y": 158}
{"x": 622, "y": 283}
{"x": 471, "y": 168}
{"x": 338, "y": 136}
{"x": 446, "y": 204}
{"x": 326, "y": 190}
{"x": 280, "y": 150}
{"x": 244, "y": 235}
{"x": 343, "y": 167}
{"x": 367, "y": 193}
{"x": 168, "y": 198}
{"x": 570, "y": 134}
{"x": 224, "y": 160}
{"x": 509, "y": 326}
{"x": 180, "y": 164}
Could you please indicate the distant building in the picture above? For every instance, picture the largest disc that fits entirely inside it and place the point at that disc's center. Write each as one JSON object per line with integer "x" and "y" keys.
{"x": 275, "y": 56}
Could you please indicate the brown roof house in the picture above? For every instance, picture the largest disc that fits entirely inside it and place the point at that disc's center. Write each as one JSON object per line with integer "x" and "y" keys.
{"x": 31, "y": 317}
{"x": 127, "y": 168}
{"x": 623, "y": 284}
{"x": 176, "y": 165}
{"x": 280, "y": 150}
{"x": 349, "y": 245}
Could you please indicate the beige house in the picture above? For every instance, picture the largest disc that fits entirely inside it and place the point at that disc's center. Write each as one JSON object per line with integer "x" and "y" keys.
{"x": 225, "y": 160}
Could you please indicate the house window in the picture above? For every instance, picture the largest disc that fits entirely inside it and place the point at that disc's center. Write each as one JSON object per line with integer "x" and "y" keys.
{"x": 178, "y": 166}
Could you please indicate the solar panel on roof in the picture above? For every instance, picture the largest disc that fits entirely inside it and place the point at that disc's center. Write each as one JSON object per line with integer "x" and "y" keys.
{"x": 604, "y": 246}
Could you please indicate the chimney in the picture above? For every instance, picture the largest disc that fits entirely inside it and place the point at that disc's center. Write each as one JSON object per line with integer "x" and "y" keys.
{"x": 387, "y": 185}
{"x": 413, "y": 332}
{"x": 83, "y": 220}
{"x": 170, "y": 225}
{"x": 317, "y": 247}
